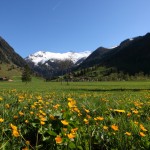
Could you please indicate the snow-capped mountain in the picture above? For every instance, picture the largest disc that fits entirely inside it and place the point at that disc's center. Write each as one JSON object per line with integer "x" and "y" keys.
{"x": 42, "y": 57}
{"x": 48, "y": 64}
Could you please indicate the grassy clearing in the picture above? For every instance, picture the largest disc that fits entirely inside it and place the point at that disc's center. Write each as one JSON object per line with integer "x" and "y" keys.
{"x": 9, "y": 70}
{"x": 89, "y": 116}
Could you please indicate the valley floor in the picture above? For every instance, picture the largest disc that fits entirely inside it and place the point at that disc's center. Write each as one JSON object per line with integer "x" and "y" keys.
{"x": 81, "y": 115}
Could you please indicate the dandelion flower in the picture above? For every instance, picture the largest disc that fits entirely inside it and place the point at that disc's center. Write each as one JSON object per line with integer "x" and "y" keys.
{"x": 43, "y": 119}
{"x": 105, "y": 127}
{"x": 136, "y": 122}
{"x": 42, "y": 122}
{"x": 86, "y": 121}
{"x": 64, "y": 122}
{"x": 70, "y": 99}
{"x": 26, "y": 121}
{"x": 15, "y": 117}
{"x": 142, "y": 134}
{"x": 114, "y": 127}
{"x": 119, "y": 110}
{"x": 28, "y": 142}
{"x": 142, "y": 127}
{"x": 86, "y": 110}
{"x": 58, "y": 139}
{"x": 135, "y": 111}
{"x": 56, "y": 106}
{"x": 7, "y": 106}
{"x": 1, "y": 120}
{"x": 65, "y": 129}
{"x": 21, "y": 113}
{"x": 25, "y": 148}
{"x": 13, "y": 127}
{"x": 52, "y": 117}
{"x": 128, "y": 133}
{"x": 31, "y": 112}
{"x": 71, "y": 136}
{"x": 15, "y": 133}
{"x": 88, "y": 116}
{"x": 129, "y": 114}
{"x": 74, "y": 130}
{"x": 72, "y": 103}
{"x": 99, "y": 118}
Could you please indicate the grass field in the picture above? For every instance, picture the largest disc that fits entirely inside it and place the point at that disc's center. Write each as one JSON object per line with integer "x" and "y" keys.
{"x": 82, "y": 115}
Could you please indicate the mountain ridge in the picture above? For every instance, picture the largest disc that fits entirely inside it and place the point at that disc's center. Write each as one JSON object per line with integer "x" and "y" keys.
{"x": 8, "y": 54}
{"x": 43, "y": 56}
{"x": 131, "y": 55}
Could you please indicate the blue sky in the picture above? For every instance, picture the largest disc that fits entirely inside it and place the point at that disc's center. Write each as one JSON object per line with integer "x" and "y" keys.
{"x": 71, "y": 25}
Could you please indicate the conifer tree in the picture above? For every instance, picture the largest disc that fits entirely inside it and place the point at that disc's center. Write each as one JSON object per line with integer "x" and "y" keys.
{"x": 26, "y": 74}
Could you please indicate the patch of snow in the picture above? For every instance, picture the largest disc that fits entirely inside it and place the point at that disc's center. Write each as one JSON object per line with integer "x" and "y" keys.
{"x": 131, "y": 39}
{"x": 42, "y": 57}
{"x": 113, "y": 47}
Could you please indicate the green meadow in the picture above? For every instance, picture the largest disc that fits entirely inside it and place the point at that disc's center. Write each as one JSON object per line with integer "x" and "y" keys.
{"x": 82, "y": 115}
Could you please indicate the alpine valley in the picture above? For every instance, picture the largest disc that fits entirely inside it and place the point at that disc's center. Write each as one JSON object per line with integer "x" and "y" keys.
{"x": 48, "y": 64}
{"x": 130, "y": 57}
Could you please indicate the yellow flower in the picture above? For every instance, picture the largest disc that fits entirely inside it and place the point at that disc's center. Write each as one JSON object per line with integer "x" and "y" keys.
{"x": 42, "y": 122}
{"x": 52, "y": 117}
{"x": 31, "y": 112}
{"x": 65, "y": 129}
{"x": 56, "y": 106}
{"x": 33, "y": 106}
{"x": 105, "y": 127}
{"x": 142, "y": 127}
{"x": 21, "y": 113}
{"x": 135, "y": 111}
{"x": 72, "y": 103}
{"x": 64, "y": 122}
{"x": 1, "y": 98}
{"x": 25, "y": 107}
{"x": 21, "y": 97}
{"x": 136, "y": 122}
{"x": 88, "y": 116}
{"x": 128, "y": 133}
{"x": 114, "y": 127}
{"x": 70, "y": 99}
{"x": 28, "y": 142}
{"x": 25, "y": 148}
{"x": 1, "y": 120}
{"x": 119, "y": 110}
{"x": 74, "y": 130}
{"x": 86, "y": 110}
{"x": 142, "y": 134}
{"x": 44, "y": 114}
{"x": 15, "y": 133}
{"x": 43, "y": 119}
{"x": 58, "y": 139}
{"x": 76, "y": 109}
{"x": 13, "y": 126}
{"x": 129, "y": 114}
{"x": 71, "y": 136}
{"x": 26, "y": 121}
{"x": 99, "y": 118}
{"x": 86, "y": 121}
{"x": 7, "y": 106}
{"x": 15, "y": 117}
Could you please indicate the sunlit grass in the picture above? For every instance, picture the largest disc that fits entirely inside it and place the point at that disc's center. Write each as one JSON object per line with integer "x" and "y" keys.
{"x": 86, "y": 116}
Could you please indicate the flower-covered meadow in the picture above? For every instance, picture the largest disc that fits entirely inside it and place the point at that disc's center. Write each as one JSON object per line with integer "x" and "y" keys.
{"x": 74, "y": 120}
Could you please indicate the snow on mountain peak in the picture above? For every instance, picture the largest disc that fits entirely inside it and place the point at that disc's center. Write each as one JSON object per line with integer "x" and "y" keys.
{"x": 42, "y": 57}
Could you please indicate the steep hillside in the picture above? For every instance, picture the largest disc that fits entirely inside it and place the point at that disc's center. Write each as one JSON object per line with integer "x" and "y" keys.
{"x": 11, "y": 63}
{"x": 94, "y": 58}
{"x": 131, "y": 56}
{"x": 8, "y": 55}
